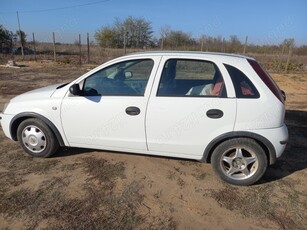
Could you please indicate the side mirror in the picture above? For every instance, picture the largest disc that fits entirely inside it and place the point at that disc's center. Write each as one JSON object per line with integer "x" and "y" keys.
{"x": 128, "y": 75}
{"x": 75, "y": 90}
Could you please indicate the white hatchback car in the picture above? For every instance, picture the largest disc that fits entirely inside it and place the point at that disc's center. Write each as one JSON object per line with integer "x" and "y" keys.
{"x": 218, "y": 108}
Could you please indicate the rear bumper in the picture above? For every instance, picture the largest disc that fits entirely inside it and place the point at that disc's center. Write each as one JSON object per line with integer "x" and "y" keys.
{"x": 277, "y": 136}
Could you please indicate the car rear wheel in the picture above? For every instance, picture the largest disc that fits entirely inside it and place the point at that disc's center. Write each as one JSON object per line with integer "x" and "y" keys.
{"x": 36, "y": 138}
{"x": 240, "y": 161}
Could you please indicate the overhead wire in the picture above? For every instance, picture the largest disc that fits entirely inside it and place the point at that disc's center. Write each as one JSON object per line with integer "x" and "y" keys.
{"x": 57, "y": 8}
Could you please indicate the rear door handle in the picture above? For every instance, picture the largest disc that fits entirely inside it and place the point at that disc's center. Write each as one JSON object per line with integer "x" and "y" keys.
{"x": 133, "y": 111}
{"x": 215, "y": 113}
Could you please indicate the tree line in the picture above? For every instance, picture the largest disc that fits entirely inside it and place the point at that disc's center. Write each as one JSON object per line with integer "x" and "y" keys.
{"x": 138, "y": 33}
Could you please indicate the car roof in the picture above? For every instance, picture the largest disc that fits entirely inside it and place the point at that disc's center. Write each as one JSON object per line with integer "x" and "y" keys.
{"x": 190, "y": 54}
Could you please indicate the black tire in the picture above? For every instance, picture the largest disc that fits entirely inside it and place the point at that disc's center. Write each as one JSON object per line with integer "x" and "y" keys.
{"x": 36, "y": 138}
{"x": 240, "y": 161}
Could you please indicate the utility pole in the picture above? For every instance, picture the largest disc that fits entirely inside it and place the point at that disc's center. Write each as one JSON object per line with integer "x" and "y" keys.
{"x": 20, "y": 35}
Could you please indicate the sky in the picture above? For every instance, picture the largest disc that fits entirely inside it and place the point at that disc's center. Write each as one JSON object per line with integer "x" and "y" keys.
{"x": 263, "y": 21}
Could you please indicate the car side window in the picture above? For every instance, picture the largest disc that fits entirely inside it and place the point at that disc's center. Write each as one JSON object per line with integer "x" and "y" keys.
{"x": 191, "y": 78}
{"x": 127, "y": 78}
{"x": 244, "y": 88}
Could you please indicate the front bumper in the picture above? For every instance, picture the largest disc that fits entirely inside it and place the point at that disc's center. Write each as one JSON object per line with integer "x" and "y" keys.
{"x": 5, "y": 120}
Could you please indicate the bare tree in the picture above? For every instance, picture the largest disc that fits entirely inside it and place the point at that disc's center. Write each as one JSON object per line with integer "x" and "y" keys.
{"x": 164, "y": 32}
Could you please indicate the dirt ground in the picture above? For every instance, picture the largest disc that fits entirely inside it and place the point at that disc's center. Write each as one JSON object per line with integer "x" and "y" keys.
{"x": 86, "y": 189}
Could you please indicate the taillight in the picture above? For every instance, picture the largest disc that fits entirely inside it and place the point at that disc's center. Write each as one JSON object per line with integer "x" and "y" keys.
{"x": 270, "y": 83}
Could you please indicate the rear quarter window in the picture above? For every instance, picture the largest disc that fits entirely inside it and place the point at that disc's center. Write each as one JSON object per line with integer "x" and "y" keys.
{"x": 244, "y": 88}
{"x": 265, "y": 77}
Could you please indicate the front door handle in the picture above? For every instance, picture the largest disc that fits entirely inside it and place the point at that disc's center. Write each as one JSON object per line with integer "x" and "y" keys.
{"x": 133, "y": 111}
{"x": 215, "y": 113}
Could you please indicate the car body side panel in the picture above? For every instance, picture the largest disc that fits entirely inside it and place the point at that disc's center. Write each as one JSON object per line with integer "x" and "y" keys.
{"x": 274, "y": 140}
{"x": 264, "y": 112}
{"x": 102, "y": 122}
{"x": 259, "y": 114}
{"x": 179, "y": 125}
{"x": 45, "y": 107}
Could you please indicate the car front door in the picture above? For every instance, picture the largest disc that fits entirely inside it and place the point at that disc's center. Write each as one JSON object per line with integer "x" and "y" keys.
{"x": 110, "y": 111}
{"x": 190, "y": 105}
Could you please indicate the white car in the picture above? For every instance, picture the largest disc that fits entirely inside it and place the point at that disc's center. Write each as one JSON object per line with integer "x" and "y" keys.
{"x": 211, "y": 107}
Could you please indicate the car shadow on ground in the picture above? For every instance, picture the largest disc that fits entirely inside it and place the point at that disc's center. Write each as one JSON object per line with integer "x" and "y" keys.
{"x": 295, "y": 156}
{"x": 72, "y": 151}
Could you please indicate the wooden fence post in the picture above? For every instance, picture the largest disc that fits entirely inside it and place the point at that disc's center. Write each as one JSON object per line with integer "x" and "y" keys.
{"x": 88, "y": 48}
{"x": 289, "y": 57}
{"x": 54, "y": 50}
{"x": 279, "y": 67}
{"x": 223, "y": 46}
{"x": 34, "y": 47}
{"x": 245, "y": 44}
{"x": 80, "y": 54}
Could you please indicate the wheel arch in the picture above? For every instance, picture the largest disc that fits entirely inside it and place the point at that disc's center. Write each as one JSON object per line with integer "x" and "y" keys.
{"x": 15, "y": 122}
{"x": 262, "y": 141}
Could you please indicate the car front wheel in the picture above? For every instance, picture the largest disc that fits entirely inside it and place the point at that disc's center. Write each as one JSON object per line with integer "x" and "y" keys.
{"x": 240, "y": 161}
{"x": 36, "y": 138}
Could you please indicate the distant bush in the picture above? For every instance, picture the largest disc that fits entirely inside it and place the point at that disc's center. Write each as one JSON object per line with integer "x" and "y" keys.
{"x": 66, "y": 60}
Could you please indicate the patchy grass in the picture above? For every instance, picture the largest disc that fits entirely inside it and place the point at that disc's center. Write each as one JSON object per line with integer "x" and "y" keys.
{"x": 42, "y": 166}
{"x": 263, "y": 202}
{"x": 199, "y": 174}
{"x": 8, "y": 179}
{"x": 71, "y": 167}
{"x": 298, "y": 78}
{"x": 103, "y": 171}
{"x": 99, "y": 208}
{"x": 173, "y": 175}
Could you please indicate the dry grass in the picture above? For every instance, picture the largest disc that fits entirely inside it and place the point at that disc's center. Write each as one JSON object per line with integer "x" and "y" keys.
{"x": 100, "y": 207}
{"x": 104, "y": 172}
{"x": 263, "y": 202}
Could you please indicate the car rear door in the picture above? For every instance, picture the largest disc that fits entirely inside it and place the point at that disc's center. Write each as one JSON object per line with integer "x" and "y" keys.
{"x": 191, "y": 104}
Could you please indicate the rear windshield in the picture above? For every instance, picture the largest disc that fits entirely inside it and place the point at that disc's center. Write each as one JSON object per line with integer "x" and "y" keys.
{"x": 267, "y": 80}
